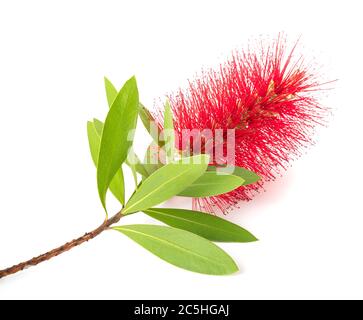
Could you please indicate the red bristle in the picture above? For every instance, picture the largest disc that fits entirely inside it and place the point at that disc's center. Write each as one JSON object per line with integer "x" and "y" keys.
{"x": 266, "y": 96}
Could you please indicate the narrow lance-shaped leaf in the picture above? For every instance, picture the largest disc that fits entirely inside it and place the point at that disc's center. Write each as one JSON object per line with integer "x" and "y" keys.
{"x": 138, "y": 166}
{"x": 93, "y": 141}
{"x": 115, "y": 142}
{"x": 181, "y": 248}
{"x": 206, "y": 225}
{"x": 209, "y": 184}
{"x": 212, "y": 184}
{"x": 168, "y": 132}
{"x": 111, "y": 92}
{"x": 99, "y": 126}
{"x": 150, "y": 125}
{"x": 167, "y": 182}
{"x": 130, "y": 161}
{"x": 153, "y": 159}
{"x": 94, "y": 138}
{"x": 248, "y": 176}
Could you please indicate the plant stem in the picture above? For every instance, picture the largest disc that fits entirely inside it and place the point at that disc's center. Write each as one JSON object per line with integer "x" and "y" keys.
{"x": 64, "y": 248}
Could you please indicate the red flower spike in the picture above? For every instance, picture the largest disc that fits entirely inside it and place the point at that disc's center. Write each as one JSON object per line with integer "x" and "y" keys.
{"x": 267, "y": 97}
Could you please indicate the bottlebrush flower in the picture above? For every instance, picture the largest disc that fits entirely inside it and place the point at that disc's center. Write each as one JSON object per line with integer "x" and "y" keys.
{"x": 267, "y": 96}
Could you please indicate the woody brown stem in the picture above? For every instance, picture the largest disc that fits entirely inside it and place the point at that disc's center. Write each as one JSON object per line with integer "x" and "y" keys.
{"x": 64, "y": 248}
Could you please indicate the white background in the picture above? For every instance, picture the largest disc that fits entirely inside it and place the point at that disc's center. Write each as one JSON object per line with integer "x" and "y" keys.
{"x": 53, "y": 56}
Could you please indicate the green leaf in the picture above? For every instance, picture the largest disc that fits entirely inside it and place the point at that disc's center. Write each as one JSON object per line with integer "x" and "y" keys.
{"x": 181, "y": 248}
{"x": 99, "y": 126}
{"x": 115, "y": 142}
{"x": 169, "y": 135}
{"x": 93, "y": 141}
{"x": 139, "y": 167}
{"x": 130, "y": 161}
{"x": 94, "y": 131}
{"x": 145, "y": 115}
{"x": 135, "y": 165}
{"x": 167, "y": 182}
{"x": 111, "y": 92}
{"x": 152, "y": 161}
{"x": 206, "y": 225}
{"x": 248, "y": 176}
{"x": 150, "y": 125}
{"x": 212, "y": 184}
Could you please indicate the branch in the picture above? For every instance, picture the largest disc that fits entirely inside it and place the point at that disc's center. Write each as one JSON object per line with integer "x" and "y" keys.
{"x": 64, "y": 248}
